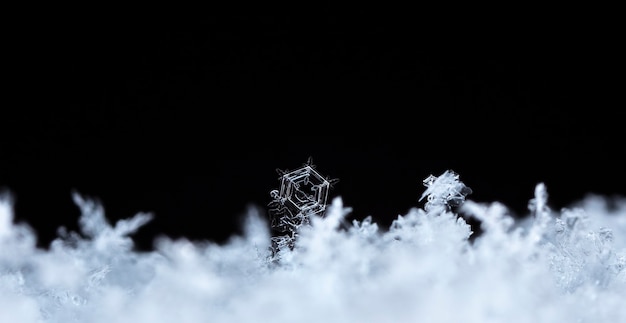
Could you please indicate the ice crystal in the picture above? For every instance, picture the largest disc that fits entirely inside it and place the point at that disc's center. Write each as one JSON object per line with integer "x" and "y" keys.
{"x": 303, "y": 193}
{"x": 444, "y": 191}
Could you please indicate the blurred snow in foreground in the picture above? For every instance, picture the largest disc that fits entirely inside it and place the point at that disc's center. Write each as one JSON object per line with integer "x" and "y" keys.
{"x": 565, "y": 266}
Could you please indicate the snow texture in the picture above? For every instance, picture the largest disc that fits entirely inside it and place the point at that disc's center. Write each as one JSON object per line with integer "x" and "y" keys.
{"x": 565, "y": 266}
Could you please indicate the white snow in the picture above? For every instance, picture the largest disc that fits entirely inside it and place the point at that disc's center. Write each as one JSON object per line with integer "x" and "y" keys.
{"x": 554, "y": 266}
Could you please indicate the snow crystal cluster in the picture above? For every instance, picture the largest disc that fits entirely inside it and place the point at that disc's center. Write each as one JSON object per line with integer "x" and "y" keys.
{"x": 552, "y": 266}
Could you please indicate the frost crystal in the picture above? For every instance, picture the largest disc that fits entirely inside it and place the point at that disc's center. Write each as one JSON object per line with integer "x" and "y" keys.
{"x": 444, "y": 191}
{"x": 303, "y": 193}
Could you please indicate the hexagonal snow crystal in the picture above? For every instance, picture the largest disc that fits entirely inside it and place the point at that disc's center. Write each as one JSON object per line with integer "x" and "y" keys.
{"x": 303, "y": 192}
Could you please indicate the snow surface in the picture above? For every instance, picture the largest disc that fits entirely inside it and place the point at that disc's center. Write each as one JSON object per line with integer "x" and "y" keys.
{"x": 552, "y": 266}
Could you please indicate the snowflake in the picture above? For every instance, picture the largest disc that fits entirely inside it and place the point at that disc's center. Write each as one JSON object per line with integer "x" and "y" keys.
{"x": 445, "y": 190}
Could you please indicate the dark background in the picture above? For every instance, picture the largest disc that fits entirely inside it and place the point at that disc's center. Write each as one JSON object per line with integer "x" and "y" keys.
{"x": 191, "y": 124}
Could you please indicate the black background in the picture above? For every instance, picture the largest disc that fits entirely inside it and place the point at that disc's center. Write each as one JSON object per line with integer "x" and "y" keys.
{"x": 190, "y": 124}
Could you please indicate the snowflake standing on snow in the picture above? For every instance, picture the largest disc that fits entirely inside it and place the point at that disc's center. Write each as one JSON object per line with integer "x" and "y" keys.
{"x": 444, "y": 191}
{"x": 303, "y": 193}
